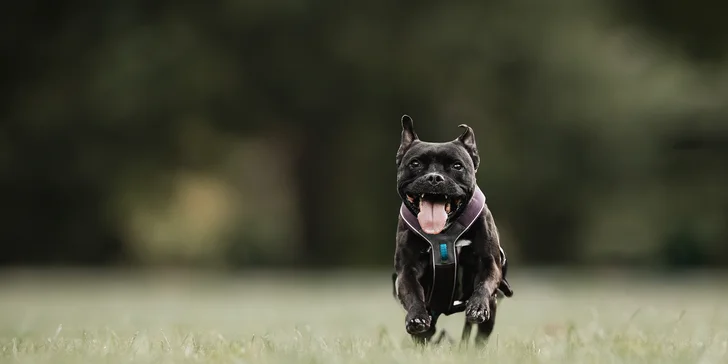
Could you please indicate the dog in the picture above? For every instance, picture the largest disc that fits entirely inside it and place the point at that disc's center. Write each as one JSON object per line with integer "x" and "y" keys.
{"x": 448, "y": 256}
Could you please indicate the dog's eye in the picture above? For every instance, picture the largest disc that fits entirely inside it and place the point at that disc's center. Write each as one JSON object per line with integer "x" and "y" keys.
{"x": 457, "y": 166}
{"x": 414, "y": 164}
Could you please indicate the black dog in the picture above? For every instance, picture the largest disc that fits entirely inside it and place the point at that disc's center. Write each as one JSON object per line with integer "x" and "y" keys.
{"x": 448, "y": 257}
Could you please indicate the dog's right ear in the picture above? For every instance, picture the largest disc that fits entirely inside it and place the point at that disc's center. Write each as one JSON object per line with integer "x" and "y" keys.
{"x": 408, "y": 137}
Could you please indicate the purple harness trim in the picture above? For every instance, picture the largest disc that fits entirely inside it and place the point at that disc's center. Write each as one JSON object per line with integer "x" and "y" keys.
{"x": 471, "y": 212}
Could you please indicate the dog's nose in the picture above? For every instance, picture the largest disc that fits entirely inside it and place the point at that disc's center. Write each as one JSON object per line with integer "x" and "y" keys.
{"x": 434, "y": 178}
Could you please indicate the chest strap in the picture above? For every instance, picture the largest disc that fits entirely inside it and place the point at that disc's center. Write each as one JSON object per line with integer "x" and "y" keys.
{"x": 444, "y": 256}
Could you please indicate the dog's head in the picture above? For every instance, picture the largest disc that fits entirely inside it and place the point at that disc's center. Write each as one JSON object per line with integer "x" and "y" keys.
{"x": 436, "y": 180}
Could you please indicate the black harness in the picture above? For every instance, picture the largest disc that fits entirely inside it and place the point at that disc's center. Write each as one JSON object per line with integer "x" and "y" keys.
{"x": 444, "y": 249}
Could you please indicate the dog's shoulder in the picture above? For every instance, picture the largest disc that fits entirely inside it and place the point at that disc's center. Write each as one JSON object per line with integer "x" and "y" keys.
{"x": 489, "y": 224}
{"x": 484, "y": 234}
{"x": 493, "y": 245}
{"x": 407, "y": 241}
{"x": 485, "y": 224}
{"x": 404, "y": 233}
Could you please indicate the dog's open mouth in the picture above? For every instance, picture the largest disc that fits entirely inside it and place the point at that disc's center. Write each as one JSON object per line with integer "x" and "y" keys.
{"x": 433, "y": 210}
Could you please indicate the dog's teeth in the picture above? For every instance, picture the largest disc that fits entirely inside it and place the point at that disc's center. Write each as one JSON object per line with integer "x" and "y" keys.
{"x": 422, "y": 196}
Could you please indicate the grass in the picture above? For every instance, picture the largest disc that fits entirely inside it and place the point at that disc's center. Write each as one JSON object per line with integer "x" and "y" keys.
{"x": 346, "y": 318}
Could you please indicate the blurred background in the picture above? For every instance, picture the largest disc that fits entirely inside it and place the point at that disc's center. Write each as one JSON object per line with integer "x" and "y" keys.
{"x": 251, "y": 134}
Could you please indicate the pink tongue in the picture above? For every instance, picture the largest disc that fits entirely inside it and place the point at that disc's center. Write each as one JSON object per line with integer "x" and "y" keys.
{"x": 432, "y": 217}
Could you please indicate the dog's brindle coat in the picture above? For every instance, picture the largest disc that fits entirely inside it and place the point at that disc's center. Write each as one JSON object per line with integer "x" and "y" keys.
{"x": 444, "y": 173}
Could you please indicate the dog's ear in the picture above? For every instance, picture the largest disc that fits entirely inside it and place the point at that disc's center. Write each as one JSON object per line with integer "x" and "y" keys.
{"x": 408, "y": 137}
{"x": 467, "y": 138}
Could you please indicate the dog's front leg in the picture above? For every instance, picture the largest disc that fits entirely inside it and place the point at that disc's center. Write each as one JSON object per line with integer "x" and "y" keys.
{"x": 486, "y": 282}
{"x": 412, "y": 296}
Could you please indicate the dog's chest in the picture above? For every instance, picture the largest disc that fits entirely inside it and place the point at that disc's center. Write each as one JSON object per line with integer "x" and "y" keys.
{"x": 444, "y": 281}
{"x": 465, "y": 258}
{"x": 463, "y": 250}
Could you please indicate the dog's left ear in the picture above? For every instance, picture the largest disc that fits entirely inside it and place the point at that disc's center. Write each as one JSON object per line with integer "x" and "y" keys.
{"x": 467, "y": 138}
{"x": 408, "y": 137}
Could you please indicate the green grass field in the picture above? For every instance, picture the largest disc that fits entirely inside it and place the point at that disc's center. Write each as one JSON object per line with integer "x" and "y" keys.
{"x": 346, "y": 318}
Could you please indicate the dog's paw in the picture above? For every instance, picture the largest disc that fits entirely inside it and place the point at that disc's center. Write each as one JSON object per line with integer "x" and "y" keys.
{"x": 477, "y": 312}
{"x": 417, "y": 323}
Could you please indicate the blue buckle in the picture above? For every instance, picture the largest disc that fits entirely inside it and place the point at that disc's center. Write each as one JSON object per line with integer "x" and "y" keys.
{"x": 443, "y": 251}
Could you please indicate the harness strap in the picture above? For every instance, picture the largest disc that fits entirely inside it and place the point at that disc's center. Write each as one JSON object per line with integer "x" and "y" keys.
{"x": 443, "y": 253}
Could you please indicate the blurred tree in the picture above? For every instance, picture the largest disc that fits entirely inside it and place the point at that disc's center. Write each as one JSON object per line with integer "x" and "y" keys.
{"x": 109, "y": 106}
{"x": 696, "y": 27}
